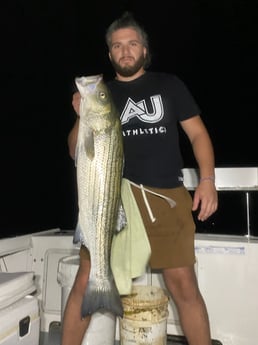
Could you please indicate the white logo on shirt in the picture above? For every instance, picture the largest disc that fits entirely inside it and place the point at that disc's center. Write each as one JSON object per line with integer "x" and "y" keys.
{"x": 140, "y": 110}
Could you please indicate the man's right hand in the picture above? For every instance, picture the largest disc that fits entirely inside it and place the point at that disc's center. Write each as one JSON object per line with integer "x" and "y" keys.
{"x": 73, "y": 134}
{"x": 76, "y": 102}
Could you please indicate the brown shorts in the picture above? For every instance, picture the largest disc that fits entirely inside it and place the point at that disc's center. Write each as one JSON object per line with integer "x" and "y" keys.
{"x": 172, "y": 234}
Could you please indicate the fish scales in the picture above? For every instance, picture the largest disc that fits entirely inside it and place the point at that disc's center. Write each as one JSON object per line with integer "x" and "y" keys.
{"x": 99, "y": 164}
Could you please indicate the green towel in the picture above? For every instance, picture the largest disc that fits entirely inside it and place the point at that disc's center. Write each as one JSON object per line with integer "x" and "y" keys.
{"x": 131, "y": 249}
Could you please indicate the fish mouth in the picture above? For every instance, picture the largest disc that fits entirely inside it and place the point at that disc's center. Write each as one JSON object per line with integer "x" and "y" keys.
{"x": 89, "y": 80}
{"x": 88, "y": 85}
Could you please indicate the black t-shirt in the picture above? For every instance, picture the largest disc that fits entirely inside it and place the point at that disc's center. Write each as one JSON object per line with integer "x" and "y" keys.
{"x": 151, "y": 107}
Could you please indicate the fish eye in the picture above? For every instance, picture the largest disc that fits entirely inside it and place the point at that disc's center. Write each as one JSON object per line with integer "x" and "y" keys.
{"x": 102, "y": 95}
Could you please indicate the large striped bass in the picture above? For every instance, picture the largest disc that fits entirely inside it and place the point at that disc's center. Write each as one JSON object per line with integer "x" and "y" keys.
{"x": 99, "y": 164}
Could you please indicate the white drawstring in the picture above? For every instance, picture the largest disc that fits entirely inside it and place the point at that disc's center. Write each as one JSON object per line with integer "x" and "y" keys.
{"x": 171, "y": 202}
{"x": 147, "y": 204}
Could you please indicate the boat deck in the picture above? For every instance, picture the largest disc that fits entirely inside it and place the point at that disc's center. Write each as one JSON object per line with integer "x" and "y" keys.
{"x": 53, "y": 337}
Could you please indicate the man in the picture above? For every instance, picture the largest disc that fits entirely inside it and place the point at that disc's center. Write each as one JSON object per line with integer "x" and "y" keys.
{"x": 151, "y": 106}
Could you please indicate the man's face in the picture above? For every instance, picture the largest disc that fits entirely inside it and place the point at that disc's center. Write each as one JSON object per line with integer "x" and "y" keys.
{"x": 127, "y": 53}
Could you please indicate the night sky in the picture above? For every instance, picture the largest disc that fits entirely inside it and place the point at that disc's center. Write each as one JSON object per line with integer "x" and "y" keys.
{"x": 211, "y": 45}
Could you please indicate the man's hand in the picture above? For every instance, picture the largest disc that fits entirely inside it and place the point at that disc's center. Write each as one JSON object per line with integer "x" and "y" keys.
{"x": 206, "y": 197}
{"x": 76, "y": 102}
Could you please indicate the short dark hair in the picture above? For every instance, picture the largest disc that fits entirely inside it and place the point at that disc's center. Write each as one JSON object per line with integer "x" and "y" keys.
{"x": 127, "y": 20}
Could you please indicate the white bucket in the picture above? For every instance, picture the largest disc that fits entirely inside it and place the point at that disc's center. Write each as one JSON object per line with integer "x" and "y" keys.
{"x": 102, "y": 327}
{"x": 67, "y": 269}
{"x": 145, "y": 317}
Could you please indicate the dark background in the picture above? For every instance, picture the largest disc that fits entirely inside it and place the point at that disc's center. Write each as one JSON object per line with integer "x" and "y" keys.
{"x": 211, "y": 45}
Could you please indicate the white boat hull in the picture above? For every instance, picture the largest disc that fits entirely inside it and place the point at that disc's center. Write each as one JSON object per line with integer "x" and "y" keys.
{"x": 226, "y": 269}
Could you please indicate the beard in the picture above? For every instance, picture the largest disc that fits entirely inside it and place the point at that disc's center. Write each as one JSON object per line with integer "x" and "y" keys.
{"x": 128, "y": 71}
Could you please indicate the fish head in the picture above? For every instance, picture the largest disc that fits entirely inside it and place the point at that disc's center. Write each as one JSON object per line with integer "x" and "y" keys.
{"x": 96, "y": 102}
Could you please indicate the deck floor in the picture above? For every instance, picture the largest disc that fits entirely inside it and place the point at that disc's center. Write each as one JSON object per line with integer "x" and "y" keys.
{"x": 54, "y": 337}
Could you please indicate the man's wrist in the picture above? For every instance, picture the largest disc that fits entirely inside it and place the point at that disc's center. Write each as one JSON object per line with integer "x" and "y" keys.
{"x": 208, "y": 178}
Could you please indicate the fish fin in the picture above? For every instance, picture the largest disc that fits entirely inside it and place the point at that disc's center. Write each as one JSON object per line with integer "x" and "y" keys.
{"x": 121, "y": 218}
{"x": 76, "y": 155}
{"x": 77, "y": 236}
{"x": 89, "y": 144}
{"x": 101, "y": 299}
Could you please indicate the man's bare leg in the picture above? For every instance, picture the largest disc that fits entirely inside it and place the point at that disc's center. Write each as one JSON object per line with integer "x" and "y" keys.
{"x": 73, "y": 327}
{"x": 183, "y": 287}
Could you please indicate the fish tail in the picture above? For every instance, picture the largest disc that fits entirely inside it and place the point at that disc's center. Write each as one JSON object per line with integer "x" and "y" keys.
{"x": 101, "y": 299}
{"x": 77, "y": 236}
